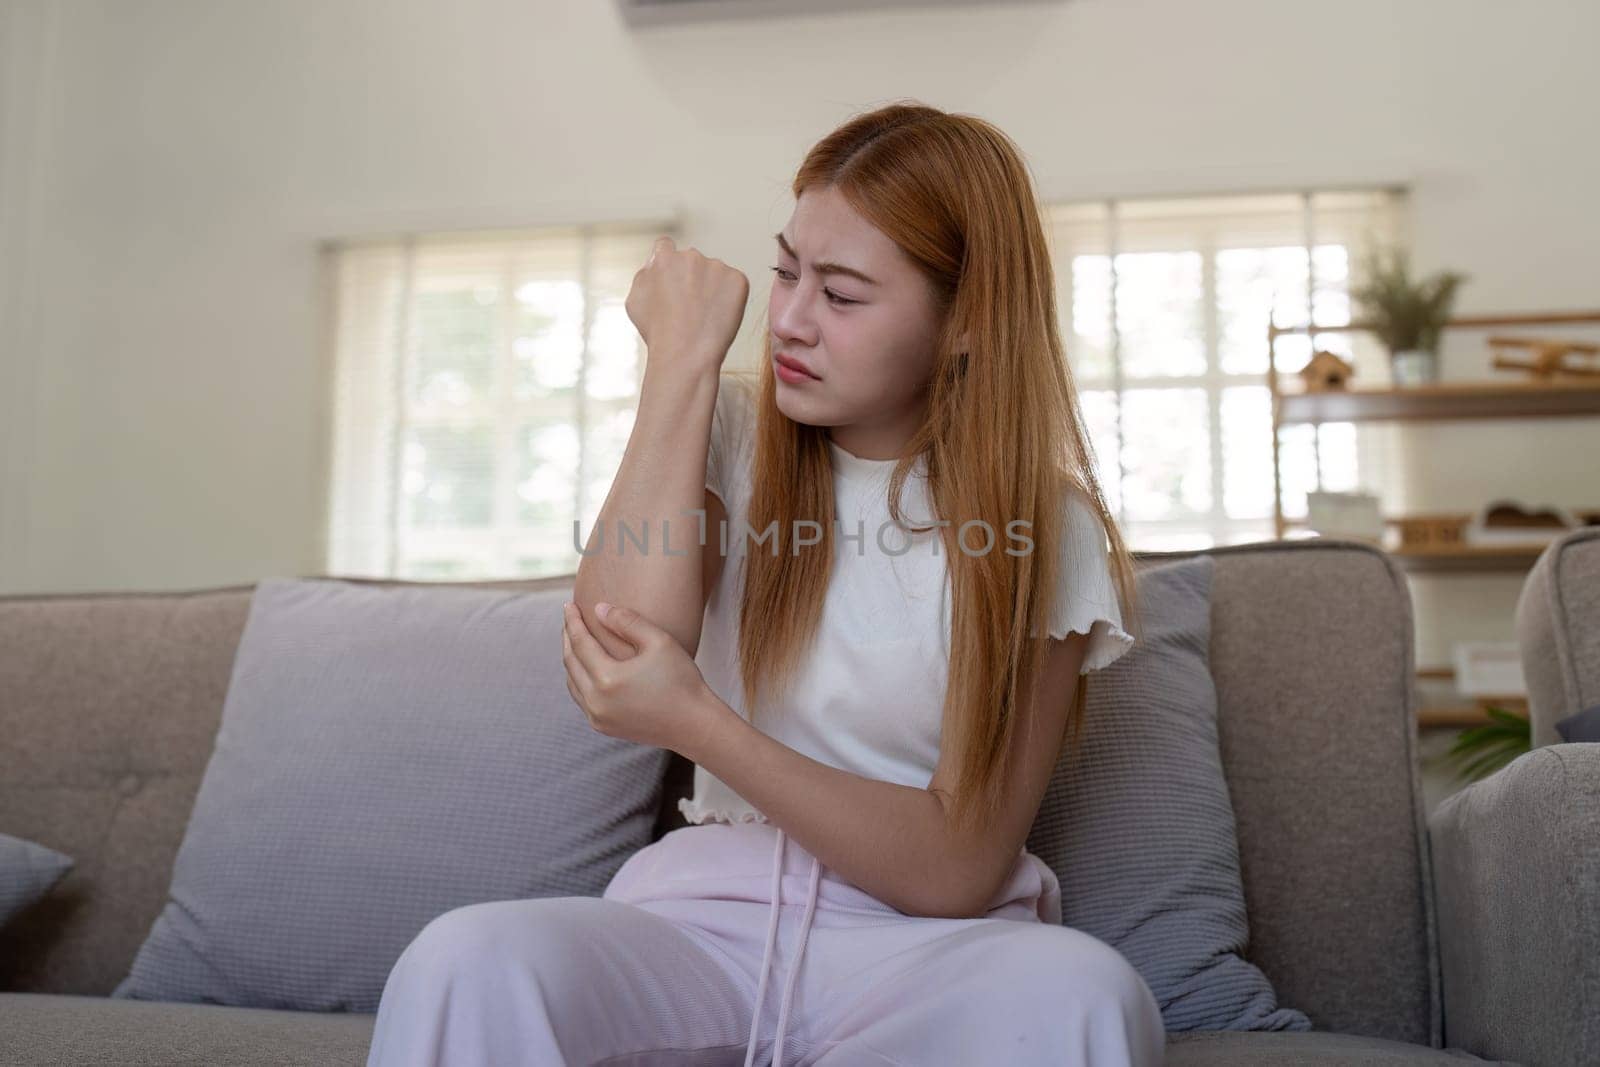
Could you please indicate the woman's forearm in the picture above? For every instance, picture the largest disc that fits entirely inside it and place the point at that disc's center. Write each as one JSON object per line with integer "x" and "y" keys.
{"x": 659, "y": 486}
{"x": 889, "y": 840}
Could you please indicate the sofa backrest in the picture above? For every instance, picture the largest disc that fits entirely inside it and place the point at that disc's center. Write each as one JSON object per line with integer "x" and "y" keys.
{"x": 1312, "y": 653}
{"x": 1558, "y": 630}
{"x": 110, "y": 704}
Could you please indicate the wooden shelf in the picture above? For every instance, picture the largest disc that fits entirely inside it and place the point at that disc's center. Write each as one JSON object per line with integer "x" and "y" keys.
{"x": 1554, "y": 318}
{"x": 1464, "y": 711}
{"x": 1456, "y": 717}
{"x": 1469, "y": 714}
{"x": 1511, "y": 398}
{"x": 1446, "y": 673}
{"x": 1477, "y": 558}
{"x": 1507, "y": 559}
{"x": 1440, "y": 401}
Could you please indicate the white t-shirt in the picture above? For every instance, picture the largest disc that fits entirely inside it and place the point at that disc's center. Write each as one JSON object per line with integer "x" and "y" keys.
{"x": 869, "y": 698}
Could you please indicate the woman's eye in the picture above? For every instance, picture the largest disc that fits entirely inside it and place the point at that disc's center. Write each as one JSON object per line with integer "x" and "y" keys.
{"x": 831, "y": 295}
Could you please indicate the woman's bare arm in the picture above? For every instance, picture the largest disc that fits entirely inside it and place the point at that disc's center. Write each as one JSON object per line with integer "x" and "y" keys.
{"x": 687, "y": 308}
{"x": 898, "y": 842}
{"x": 658, "y": 490}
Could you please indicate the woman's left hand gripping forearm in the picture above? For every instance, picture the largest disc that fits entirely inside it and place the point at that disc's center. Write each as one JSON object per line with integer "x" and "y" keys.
{"x": 656, "y": 697}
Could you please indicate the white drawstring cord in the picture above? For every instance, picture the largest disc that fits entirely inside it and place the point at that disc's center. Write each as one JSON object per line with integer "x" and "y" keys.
{"x": 794, "y": 968}
{"x": 766, "y": 959}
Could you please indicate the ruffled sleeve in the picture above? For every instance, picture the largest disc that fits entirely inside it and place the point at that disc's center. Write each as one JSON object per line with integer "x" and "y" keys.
{"x": 732, "y": 424}
{"x": 1086, "y": 601}
{"x": 695, "y": 812}
{"x": 713, "y": 801}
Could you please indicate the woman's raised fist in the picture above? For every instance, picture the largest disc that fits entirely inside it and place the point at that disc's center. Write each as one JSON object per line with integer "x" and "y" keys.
{"x": 685, "y": 305}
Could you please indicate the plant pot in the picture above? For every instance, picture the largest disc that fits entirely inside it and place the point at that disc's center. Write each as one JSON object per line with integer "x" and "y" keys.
{"x": 1415, "y": 366}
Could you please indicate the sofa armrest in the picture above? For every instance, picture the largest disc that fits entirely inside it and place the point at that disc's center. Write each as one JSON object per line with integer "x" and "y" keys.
{"x": 1516, "y": 860}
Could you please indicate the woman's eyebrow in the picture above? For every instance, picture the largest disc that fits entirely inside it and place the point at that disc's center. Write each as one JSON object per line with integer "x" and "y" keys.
{"x": 826, "y": 266}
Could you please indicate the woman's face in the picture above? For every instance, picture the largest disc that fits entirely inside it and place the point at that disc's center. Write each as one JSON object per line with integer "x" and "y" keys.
{"x": 868, "y": 340}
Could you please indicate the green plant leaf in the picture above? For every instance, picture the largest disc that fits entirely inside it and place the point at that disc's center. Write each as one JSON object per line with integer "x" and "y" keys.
{"x": 1482, "y": 735}
{"x": 1510, "y": 718}
{"x": 1488, "y": 763}
{"x": 1499, "y": 739}
{"x": 1492, "y": 758}
{"x": 1481, "y": 750}
{"x": 1404, "y": 314}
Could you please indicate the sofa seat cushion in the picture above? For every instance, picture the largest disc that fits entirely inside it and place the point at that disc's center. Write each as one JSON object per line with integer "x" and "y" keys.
{"x": 1316, "y": 1048}
{"x": 48, "y": 1029}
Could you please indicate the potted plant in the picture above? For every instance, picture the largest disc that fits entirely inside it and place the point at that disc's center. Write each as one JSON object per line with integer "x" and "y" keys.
{"x": 1407, "y": 315}
{"x": 1482, "y": 750}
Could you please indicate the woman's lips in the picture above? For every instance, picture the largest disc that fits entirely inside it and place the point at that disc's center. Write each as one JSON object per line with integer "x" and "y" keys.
{"x": 792, "y": 371}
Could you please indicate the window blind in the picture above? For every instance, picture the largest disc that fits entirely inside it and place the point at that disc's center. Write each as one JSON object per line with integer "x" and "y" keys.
{"x": 1165, "y": 305}
{"x": 484, "y": 388}
{"x": 485, "y": 383}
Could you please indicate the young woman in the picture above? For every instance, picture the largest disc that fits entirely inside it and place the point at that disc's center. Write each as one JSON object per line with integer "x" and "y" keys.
{"x": 900, "y": 494}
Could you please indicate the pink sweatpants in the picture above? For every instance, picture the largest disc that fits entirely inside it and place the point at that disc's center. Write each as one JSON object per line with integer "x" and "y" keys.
{"x": 667, "y": 966}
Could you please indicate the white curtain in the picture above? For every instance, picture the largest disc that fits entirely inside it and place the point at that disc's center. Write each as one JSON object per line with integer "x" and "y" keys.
{"x": 485, "y": 383}
{"x": 1164, "y": 307}
{"x": 484, "y": 387}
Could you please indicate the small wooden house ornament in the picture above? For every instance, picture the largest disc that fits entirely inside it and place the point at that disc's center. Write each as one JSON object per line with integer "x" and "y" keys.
{"x": 1325, "y": 371}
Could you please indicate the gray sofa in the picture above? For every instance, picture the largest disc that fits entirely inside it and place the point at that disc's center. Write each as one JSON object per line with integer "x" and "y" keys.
{"x": 1402, "y": 946}
{"x": 1558, "y": 627}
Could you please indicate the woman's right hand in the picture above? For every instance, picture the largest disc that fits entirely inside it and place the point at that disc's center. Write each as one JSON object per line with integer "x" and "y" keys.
{"x": 687, "y": 306}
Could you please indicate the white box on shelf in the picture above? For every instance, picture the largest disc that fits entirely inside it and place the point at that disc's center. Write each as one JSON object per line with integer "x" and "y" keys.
{"x": 1489, "y": 668}
{"x": 1478, "y": 532}
{"x": 1352, "y": 515}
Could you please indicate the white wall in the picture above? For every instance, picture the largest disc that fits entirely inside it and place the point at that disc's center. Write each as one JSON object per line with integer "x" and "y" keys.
{"x": 169, "y": 166}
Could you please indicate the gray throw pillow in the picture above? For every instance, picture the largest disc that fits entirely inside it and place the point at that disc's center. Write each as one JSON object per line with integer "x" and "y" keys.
{"x": 27, "y": 872}
{"x": 1138, "y": 825}
{"x": 1584, "y": 726}
{"x": 386, "y": 754}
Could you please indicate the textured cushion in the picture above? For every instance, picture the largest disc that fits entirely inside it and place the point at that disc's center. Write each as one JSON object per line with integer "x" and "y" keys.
{"x": 1584, "y": 726}
{"x": 385, "y": 755}
{"x": 1519, "y": 907}
{"x": 45, "y": 1030}
{"x": 27, "y": 872}
{"x": 1316, "y": 1049}
{"x": 1138, "y": 825}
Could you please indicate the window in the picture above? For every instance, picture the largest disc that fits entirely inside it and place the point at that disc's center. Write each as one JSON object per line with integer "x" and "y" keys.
{"x": 1166, "y": 305}
{"x": 485, "y": 386}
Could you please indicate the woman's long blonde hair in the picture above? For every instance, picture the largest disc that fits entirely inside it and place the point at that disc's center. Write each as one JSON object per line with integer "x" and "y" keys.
{"x": 1004, "y": 436}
